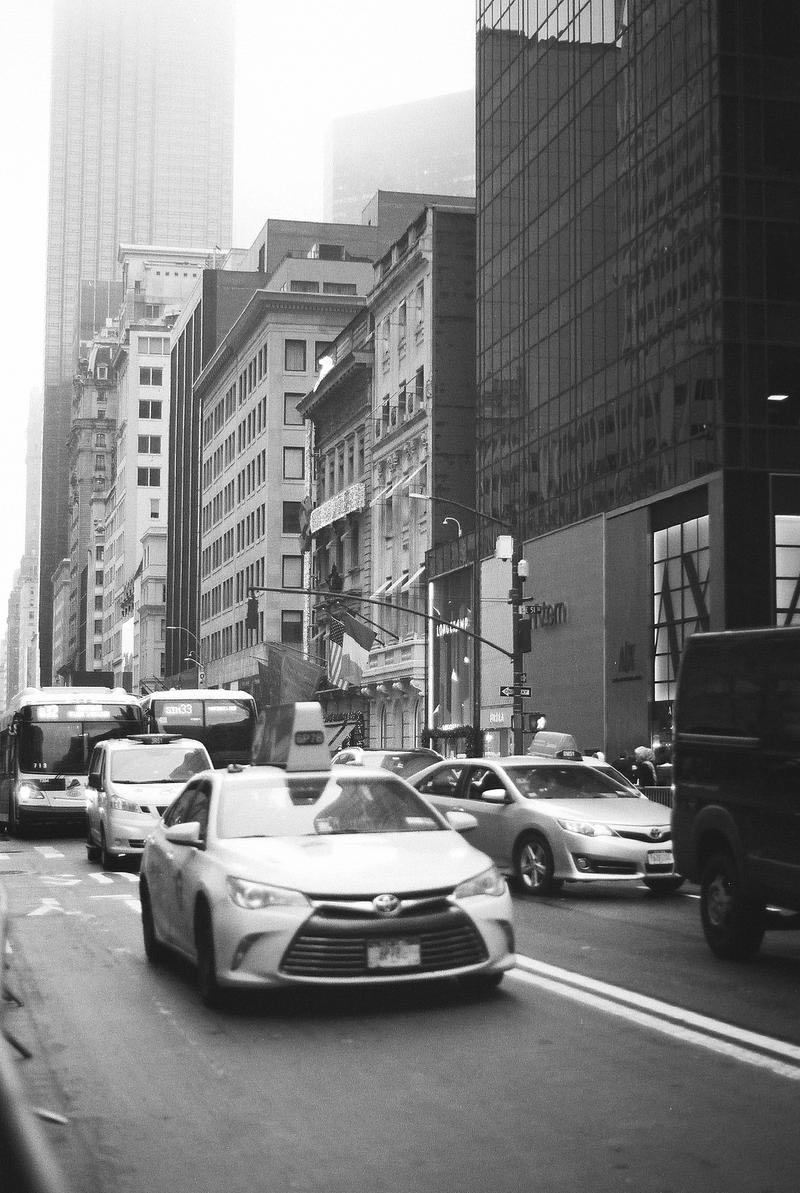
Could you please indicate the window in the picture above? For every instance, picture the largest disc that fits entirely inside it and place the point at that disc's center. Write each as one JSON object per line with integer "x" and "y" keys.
{"x": 154, "y": 507}
{"x": 291, "y": 418}
{"x": 419, "y": 303}
{"x": 148, "y": 477}
{"x": 291, "y": 627}
{"x": 100, "y": 463}
{"x": 301, "y": 286}
{"x": 155, "y": 345}
{"x": 401, "y": 321}
{"x": 150, "y": 443}
{"x": 293, "y": 463}
{"x": 150, "y": 376}
{"x": 100, "y": 439}
{"x": 101, "y": 372}
{"x": 149, "y": 409}
{"x": 292, "y": 571}
{"x": 295, "y": 356}
{"x": 339, "y": 288}
{"x": 291, "y": 517}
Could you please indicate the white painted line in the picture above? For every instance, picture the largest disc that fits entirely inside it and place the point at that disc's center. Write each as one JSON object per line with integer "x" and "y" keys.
{"x": 96, "y": 876}
{"x": 51, "y": 905}
{"x": 47, "y": 851}
{"x": 763, "y": 1051}
{"x": 134, "y": 905}
{"x": 126, "y": 876}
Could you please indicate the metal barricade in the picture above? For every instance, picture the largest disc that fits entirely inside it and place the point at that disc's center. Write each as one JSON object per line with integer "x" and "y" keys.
{"x": 659, "y": 795}
{"x": 27, "y": 1163}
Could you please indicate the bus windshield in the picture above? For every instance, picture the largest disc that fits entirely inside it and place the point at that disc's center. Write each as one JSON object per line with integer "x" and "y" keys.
{"x": 63, "y": 747}
{"x": 224, "y": 725}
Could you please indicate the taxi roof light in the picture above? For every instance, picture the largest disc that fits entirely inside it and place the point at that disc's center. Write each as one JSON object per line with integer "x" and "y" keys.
{"x": 549, "y": 744}
{"x": 291, "y": 736}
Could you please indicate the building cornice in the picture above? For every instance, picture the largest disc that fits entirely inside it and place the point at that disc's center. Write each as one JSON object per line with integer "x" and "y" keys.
{"x": 257, "y": 311}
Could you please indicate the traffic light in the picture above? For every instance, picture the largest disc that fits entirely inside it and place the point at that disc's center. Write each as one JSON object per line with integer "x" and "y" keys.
{"x": 251, "y": 620}
{"x": 524, "y": 635}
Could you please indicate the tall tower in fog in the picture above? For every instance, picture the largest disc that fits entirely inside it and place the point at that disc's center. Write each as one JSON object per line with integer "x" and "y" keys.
{"x": 141, "y": 151}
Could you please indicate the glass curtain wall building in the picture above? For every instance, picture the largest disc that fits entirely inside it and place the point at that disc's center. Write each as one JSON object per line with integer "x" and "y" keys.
{"x": 639, "y": 324}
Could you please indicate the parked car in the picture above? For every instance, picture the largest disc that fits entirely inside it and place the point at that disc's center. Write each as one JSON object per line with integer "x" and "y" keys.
{"x": 546, "y": 821}
{"x": 736, "y": 813}
{"x": 131, "y": 782}
{"x": 399, "y": 762}
{"x": 270, "y": 876}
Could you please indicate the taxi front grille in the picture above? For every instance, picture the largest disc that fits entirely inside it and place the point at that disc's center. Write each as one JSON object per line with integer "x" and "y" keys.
{"x": 643, "y": 834}
{"x": 327, "y": 947}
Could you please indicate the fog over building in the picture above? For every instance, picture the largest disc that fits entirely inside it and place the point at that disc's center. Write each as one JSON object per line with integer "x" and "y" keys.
{"x": 141, "y": 151}
{"x": 426, "y": 146}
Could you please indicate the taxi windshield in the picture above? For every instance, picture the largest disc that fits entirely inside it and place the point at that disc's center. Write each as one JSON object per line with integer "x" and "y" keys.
{"x": 157, "y": 764}
{"x": 285, "y": 805}
{"x": 567, "y": 782}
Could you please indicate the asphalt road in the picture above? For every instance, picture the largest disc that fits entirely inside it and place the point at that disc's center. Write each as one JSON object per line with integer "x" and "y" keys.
{"x": 618, "y": 1055}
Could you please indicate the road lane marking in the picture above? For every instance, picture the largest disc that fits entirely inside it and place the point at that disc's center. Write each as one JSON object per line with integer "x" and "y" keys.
{"x": 47, "y": 851}
{"x": 737, "y": 1043}
{"x": 49, "y": 906}
{"x": 96, "y": 876}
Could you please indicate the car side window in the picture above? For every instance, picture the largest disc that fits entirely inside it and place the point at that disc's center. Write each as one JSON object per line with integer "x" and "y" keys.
{"x": 95, "y": 766}
{"x": 177, "y": 813}
{"x": 481, "y": 779}
{"x": 443, "y": 782}
{"x": 344, "y": 759}
{"x": 198, "y": 807}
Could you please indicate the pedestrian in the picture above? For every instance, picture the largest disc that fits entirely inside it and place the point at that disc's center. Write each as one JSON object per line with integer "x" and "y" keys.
{"x": 646, "y": 763}
{"x": 626, "y": 765}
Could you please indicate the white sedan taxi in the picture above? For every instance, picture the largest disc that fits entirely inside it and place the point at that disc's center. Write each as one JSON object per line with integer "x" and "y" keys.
{"x": 268, "y": 876}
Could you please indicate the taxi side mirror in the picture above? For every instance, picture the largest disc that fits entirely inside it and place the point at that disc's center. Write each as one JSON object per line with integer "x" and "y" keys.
{"x": 186, "y": 834}
{"x": 462, "y": 822}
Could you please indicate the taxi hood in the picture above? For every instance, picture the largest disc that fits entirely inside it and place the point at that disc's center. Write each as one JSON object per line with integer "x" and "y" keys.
{"x": 355, "y": 864}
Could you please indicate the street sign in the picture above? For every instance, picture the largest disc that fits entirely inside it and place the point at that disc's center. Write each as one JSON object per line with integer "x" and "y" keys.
{"x": 514, "y": 690}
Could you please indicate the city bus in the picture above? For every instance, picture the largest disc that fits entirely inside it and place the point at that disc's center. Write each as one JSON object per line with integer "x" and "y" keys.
{"x": 223, "y": 720}
{"x": 46, "y": 739}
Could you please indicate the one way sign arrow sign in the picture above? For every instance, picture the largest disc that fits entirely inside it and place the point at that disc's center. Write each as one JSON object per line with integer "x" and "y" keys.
{"x": 514, "y": 690}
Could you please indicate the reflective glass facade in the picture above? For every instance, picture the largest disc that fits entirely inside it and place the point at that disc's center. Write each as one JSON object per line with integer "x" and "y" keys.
{"x": 638, "y": 249}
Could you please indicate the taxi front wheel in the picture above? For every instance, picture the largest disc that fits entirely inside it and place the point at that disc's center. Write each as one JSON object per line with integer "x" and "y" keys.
{"x": 210, "y": 990}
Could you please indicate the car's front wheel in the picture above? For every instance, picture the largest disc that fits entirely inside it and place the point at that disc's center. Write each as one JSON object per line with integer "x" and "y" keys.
{"x": 534, "y": 866}
{"x": 665, "y": 886}
{"x": 153, "y": 948}
{"x": 210, "y": 990}
{"x": 107, "y": 859}
{"x": 733, "y": 919}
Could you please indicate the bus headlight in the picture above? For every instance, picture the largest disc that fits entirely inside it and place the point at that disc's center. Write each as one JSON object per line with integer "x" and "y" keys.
{"x": 27, "y": 792}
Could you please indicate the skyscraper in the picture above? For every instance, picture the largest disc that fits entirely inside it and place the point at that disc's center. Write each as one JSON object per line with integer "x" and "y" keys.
{"x": 638, "y": 348}
{"x": 141, "y": 151}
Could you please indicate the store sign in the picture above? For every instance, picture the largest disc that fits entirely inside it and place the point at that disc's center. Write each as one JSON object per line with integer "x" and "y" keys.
{"x": 459, "y": 623}
{"x": 545, "y": 615}
{"x": 349, "y": 501}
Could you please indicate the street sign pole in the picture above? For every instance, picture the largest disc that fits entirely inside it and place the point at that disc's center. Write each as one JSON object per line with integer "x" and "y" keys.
{"x": 517, "y": 583}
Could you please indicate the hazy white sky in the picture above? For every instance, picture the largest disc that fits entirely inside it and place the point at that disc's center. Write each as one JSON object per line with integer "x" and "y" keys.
{"x": 298, "y": 64}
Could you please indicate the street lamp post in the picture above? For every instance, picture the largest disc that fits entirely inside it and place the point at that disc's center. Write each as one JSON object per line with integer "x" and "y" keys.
{"x": 195, "y": 655}
{"x": 519, "y": 574}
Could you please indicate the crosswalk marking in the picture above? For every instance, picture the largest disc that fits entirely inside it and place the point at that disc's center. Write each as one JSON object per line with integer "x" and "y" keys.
{"x": 47, "y": 851}
{"x": 97, "y": 877}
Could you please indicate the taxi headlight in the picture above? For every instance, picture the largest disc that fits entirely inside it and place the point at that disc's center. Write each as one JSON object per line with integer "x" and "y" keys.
{"x": 490, "y": 882}
{"x": 255, "y": 896}
{"x": 585, "y": 828}
{"x": 27, "y": 791}
{"x": 122, "y": 805}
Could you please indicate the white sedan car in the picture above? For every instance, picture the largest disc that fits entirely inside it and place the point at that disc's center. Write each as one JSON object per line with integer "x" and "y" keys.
{"x": 265, "y": 878}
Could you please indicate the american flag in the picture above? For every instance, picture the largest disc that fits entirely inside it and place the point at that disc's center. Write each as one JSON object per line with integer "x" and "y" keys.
{"x": 335, "y": 652}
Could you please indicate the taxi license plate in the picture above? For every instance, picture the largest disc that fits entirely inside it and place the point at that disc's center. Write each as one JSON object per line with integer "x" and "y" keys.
{"x": 659, "y": 857}
{"x": 392, "y": 953}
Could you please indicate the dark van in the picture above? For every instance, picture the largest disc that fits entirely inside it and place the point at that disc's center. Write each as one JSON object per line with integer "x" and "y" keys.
{"x": 736, "y": 800}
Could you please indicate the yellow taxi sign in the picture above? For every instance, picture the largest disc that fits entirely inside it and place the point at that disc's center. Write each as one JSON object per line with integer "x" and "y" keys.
{"x": 291, "y": 736}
